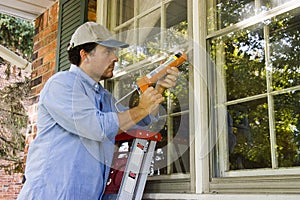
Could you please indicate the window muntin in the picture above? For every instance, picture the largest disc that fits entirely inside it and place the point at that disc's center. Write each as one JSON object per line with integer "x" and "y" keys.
{"x": 260, "y": 66}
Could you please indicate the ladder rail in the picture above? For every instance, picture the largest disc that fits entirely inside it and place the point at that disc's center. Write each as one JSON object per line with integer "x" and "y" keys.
{"x": 141, "y": 183}
{"x": 132, "y": 170}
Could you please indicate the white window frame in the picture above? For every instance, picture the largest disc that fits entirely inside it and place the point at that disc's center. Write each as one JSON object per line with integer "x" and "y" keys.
{"x": 223, "y": 155}
{"x": 101, "y": 8}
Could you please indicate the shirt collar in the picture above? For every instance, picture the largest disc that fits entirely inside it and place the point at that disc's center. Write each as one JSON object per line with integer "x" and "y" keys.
{"x": 96, "y": 86}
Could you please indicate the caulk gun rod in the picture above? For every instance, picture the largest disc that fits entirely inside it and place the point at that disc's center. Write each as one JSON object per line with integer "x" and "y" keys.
{"x": 124, "y": 97}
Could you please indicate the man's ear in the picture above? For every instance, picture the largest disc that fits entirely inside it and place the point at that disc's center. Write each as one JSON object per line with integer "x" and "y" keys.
{"x": 83, "y": 55}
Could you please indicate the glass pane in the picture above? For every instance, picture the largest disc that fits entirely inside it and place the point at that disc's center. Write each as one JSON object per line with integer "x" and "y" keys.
{"x": 159, "y": 164}
{"x": 124, "y": 11}
{"x": 150, "y": 20}
{"x": 287, "y": 115}
{"x": 230, "y": 12}
{"x": 180, "y": 142}
{"x": 243, "y": 61}
{"x": 144, "y": 6}
{"x": 177, "y": 98}
{"x": 267, "y": 4}
{"x": 127, "y": 83}
{"x": 172, "y": 153}
{"x": 248, "y": 135}
{"x": 285, "y": 50}
{"x": 176, "y": 13}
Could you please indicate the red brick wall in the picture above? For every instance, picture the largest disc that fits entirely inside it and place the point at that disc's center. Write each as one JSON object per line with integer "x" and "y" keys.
{"x": 43, "y": 67}
{"x": 43, "y": 64}
{"x": 10, "y": 185}
{"x": 44, "y": 55}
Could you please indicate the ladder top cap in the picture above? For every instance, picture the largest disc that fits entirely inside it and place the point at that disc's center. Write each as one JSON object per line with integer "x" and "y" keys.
{"x": 141, "y": 134}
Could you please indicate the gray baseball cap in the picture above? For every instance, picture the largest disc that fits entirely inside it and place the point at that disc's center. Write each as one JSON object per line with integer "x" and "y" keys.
{"x": 93, "y": 32}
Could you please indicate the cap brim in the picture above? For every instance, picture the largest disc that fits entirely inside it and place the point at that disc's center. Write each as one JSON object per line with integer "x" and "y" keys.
{"x": 113, "y": 43}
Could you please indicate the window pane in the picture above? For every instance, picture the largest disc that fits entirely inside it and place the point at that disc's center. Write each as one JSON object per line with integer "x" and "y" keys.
{"x": 287, "y": 114}
{"x": 124, "y": 11}
{"x": 172, "y": 153}
{"x": 232, "y": 11}
{"x": 267, "y": 4}
{"x": 244, "y": 63}
{"x": 285, "y": 50}
{"x": 248, "y": 135}
{"x": 180, "y": 142}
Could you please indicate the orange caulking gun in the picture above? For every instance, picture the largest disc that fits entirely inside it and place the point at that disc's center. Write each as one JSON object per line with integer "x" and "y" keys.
{"x": 152, "y": 77}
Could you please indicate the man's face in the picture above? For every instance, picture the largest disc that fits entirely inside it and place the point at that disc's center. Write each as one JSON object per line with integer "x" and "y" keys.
{"x": 101, "y": 62}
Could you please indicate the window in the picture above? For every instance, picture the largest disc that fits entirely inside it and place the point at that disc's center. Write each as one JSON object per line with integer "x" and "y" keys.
{"x": 255, "y": 47}
{"x": 155, "y": 30}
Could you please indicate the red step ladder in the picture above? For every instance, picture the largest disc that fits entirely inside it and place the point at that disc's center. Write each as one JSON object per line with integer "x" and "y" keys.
{"x": 128, "y": 176}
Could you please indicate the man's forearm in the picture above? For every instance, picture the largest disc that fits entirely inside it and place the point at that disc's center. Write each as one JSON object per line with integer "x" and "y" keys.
{"x": 131, "y": 117}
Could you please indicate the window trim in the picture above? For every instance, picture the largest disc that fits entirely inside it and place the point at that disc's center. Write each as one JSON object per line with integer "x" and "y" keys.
{"x": 200, "y": 174}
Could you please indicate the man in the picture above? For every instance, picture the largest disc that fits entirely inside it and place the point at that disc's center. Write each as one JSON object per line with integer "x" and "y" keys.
{"x": 77, "y": 121}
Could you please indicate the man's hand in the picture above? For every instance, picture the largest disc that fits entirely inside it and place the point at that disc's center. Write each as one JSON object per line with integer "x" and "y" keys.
{"x": 148, "y": 104}
{"x": 150, "y": 100}
{"x": 168, "y": 81}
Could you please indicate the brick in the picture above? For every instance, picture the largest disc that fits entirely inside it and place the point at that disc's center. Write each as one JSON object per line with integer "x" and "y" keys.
{"x": 50, "y": 56}
{"x": 37, "y": 63}
{"x": 45, "y": 19}
{"x": 54, "y": 28}
{"x": 43, "y": 69}
{"x": 33, "y": 74}
{"x": 37, "y": 45}
{"x": 36, "y": 81}
{"x": 44, "y": 33}
{"x": 35, "y": 55}
{"x": 47, "y": 76}
{"x": 10, "y": 185}
{"x": 53, "y": 13}
{"x": 37, "y": 22}
{"x": 50, "y": 38}
{"x": 38, "y": 89}
{"x": 52, "y": 66}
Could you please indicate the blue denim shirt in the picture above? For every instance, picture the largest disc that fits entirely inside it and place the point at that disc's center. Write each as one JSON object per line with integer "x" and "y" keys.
{"x": 71, "y": 156}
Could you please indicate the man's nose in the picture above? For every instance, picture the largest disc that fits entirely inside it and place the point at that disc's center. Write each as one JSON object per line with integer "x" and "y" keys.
{"x": 115, "y": 57}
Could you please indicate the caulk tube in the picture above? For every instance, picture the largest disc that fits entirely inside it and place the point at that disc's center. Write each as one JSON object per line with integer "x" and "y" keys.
{"x": 160, "y": 71}
{"x": 163, "y": 65}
